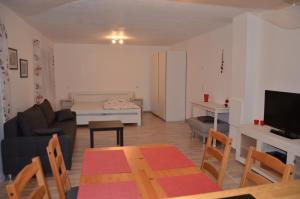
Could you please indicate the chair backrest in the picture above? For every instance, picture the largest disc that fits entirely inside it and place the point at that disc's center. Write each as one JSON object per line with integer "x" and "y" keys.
{"x": 268, "y": 161}
{"x": 58, "y": 167}
{"x": 220, "y": 155}
{"x": 34, "y": 169}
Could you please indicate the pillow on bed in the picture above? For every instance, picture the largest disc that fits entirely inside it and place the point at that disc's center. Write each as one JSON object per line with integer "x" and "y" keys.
{"x": 64, "y": 114}
{"x": 120, "y": 99}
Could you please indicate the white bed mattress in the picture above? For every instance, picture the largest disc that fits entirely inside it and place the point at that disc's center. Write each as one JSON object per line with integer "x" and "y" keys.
{"x": 82, "y": 108}
{"x": 105, "y": 107}
{"x": 118, "y": 104}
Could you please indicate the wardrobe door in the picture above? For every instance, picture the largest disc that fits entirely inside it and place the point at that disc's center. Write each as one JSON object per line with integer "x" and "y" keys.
{"x": 176, "y": 86}
{"x": 162, "y": 84}
{"x": 154, "y": 85}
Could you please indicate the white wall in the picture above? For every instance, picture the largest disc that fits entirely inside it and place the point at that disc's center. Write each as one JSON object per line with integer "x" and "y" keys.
{"x": 203, "y": 65}
{"x": 20, "y": 36}
{"x": 107, "y": 68}
{"x": 264, "y": 57}
{"x": 279, "y": 63}
{"x": 245, "y": 55}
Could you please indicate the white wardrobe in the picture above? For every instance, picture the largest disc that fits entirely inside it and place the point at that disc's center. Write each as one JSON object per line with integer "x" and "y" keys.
{"x": 168, "y": 97}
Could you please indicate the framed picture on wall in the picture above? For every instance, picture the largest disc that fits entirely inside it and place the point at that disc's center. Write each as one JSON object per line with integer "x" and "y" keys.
{"x": 23, "y": 68}
{"x": 12, "y": 59}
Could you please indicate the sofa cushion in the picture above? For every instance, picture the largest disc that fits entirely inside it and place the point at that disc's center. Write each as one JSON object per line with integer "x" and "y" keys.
{"x": 203, "y": 127}
{"x": 47, "y": 110}
{"x": 31, "y": 119}
{"x": 48, "y": 131}
{"x": 64, "y": 115}
{"x": 68, "y": 127}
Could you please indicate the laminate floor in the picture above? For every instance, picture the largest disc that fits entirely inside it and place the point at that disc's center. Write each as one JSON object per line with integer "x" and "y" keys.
{"x": 152, "y": 131}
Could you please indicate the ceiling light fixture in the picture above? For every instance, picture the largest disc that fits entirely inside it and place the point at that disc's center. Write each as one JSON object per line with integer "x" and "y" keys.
{"x": 117, "y": 40}
{"x": 117, "y": 37}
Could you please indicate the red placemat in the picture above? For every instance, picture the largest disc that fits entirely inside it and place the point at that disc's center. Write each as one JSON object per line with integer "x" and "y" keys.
{"x": 124, "y": 190}
{"x": 187, "y": 185}
{"x": 99, "y": 162}
{"x": 165, "y": 158}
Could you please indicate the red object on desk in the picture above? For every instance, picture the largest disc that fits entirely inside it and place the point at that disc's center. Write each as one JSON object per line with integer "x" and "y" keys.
{"x": 187, "y": 185}
{"x": 165, "y": 158}
{"x": 120, "y": 190}
{"x": 261, "y": 122}
{"x": 98, "y": 162}
{"x": 256, "y": 122}
{"x": 206, "y": 96}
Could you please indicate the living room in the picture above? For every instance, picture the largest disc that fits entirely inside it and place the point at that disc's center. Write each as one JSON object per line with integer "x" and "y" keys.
{"x": 234, "y": 51}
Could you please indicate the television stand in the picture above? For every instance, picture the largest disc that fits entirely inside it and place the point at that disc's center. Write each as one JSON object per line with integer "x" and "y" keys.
{"x": 263, "y": 140}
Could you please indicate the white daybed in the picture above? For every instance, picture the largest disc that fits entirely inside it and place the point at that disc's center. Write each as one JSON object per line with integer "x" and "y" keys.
{"x": 96, "y": 106}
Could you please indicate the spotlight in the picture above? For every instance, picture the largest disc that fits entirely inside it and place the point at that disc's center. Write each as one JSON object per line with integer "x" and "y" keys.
{"x": 113, "y": 41}
{"x": 121, "y": 41}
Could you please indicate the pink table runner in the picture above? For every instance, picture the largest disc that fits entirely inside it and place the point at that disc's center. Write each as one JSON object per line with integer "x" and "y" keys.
{"x": 120, "y": 190}
{"x": 165, "y": 158}
{"x": 187, "y": 185}
{"x": 99, "y": 162}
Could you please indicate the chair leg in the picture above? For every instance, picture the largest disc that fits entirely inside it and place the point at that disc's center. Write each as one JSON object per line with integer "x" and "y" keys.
{"x": 9, "y": 177}
{"x": 203, "y": 139}
{"x": 193, "y": 133}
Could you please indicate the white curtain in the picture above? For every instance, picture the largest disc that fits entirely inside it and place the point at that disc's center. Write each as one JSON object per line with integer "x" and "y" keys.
{"x": 4, "y": 76}
{"x": 43, "y": 64}
{"x": 37, "y": 67}
{"x": 5, "y": 106}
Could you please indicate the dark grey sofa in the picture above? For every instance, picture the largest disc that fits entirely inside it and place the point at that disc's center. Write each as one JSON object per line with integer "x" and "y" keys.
{"x": 27, "y": 135}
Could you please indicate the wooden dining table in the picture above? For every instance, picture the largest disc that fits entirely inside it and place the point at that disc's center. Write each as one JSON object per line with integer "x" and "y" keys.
{"x": 145, "y": 176}
{"x": 289, "y": 190}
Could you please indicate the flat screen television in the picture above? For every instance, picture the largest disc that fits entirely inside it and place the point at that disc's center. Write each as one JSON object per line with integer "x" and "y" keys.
{"x": 282, "y": 112}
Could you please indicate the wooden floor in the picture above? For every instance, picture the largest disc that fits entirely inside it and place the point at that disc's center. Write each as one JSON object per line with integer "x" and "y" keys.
{"x": 152, "y": 131}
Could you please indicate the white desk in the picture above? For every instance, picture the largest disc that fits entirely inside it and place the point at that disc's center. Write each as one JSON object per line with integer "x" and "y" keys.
{"x": 210, "y": 107}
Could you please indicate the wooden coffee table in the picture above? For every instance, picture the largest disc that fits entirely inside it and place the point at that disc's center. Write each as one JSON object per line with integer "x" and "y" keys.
{"x": 106, "y": 126}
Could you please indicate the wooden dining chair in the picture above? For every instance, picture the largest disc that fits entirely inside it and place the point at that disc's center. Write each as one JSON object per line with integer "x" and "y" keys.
{"x": 34, "y": 169}
{"x": 59, "y": 170}
{"x": 221, "y": 156}
{"x": 267, "y": 161}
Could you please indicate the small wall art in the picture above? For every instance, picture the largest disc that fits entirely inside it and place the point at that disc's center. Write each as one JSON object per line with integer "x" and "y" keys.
{"x": 23, "y": 68}
{"x": 12, "y": 59}
{"x": 222, "y": 62}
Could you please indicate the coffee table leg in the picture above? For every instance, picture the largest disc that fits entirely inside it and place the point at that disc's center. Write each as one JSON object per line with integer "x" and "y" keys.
{"x": 121, "y": 136}
{"x": 92, "y": 138}
{"x": 118, "y": 137}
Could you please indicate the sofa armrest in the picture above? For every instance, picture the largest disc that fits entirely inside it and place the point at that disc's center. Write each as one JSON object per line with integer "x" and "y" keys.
{"x": 74, "y": 113}
{"x": 63, "y": 114}
{"x": 18, "y": 152}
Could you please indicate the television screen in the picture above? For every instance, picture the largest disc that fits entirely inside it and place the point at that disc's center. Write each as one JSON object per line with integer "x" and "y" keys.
{"x": 282, "y": 111}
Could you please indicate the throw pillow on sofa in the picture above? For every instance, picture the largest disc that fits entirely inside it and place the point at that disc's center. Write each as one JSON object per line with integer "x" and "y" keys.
{"x": 31, "y": 119}
{"x": 64, "y": 115}
{"x": 47, "y": 110}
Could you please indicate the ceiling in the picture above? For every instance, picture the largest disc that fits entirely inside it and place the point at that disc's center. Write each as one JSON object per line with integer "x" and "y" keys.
{"x": 145, "y": 22}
